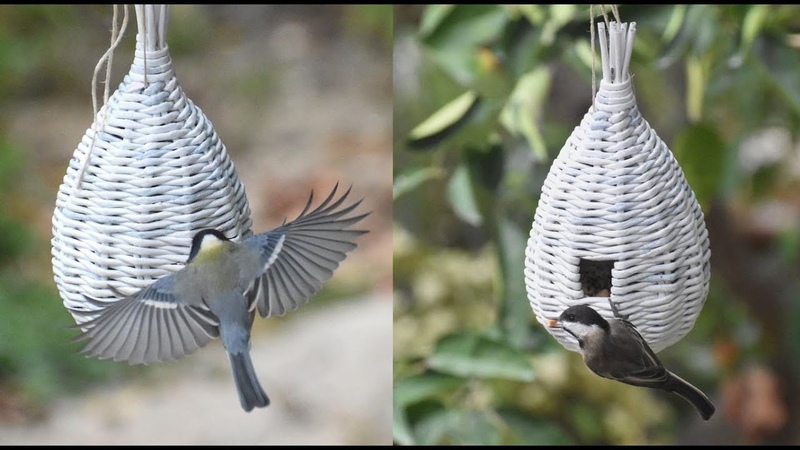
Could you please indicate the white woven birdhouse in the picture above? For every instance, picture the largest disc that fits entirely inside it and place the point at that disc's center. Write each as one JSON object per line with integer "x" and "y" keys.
{"x": 148, "y": 173}
{"x": 617, "y": 218}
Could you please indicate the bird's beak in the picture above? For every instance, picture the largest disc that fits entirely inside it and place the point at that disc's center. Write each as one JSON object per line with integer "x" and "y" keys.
{"x": 552, "y": 323}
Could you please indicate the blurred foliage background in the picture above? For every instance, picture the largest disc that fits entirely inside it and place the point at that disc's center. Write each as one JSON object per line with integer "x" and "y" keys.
{"x": 253, "y": 70}
{"x": 484, "y": 98}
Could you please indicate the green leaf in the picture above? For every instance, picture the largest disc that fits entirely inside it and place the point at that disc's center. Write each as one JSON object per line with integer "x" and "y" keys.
{"x": 407, "y": 182}
{"x": 430, "y": 422}
{"x": 401, "y": 429}
{"x": 687, "y": 36}
{"x": 752, "y": 24}
{"x": 676, "y": 18}
{"x": 534, "y": 13}
{"x": 475, "y": 428}
{"x": 432, "y": 16}
{"x": 583, "y": 51}
{"x": 486, "y": 165}
{"x": 782, "y": 64}
{"x": 700, "y": 151}
{"x": 560, "y": 15}
{"x": 454, "y": 43}
{"x": 465, "y": 26}
{"x": 524, "y": 106}
{"x": 444, "y": 121}
{"x": 533, "y": 430}
{"x": 440, "y": 426}
{"x": 419, "y": 389}
{"x": 696, "y": 79}
{"x": 468, "y": 354}
{"x": 461, "y": 197}
{"x": 708, "y": 30}
{"x": 424, "y": 386}
{"x": 515, "y": 311}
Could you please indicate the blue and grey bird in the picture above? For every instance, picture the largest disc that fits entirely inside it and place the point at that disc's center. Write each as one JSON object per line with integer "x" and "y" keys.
{"x": 219, "y": 289}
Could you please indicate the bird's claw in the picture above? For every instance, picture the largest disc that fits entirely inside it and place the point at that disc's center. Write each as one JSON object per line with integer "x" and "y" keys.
{"x": 615, "y": 311}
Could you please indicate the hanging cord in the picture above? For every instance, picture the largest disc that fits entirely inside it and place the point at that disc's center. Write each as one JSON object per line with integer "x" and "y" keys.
{"x": 594, "y": 71}
{"x": 615, "y": 11}
{"x": 116, "y": 37}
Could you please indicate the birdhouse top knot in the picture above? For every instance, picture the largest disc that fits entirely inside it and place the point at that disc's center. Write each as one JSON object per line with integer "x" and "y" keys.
{"x": 616, "y": 50}
{"x": 152, "y": 62}
{"x": 616, "y": 90}
{"x": 151, "y": 66}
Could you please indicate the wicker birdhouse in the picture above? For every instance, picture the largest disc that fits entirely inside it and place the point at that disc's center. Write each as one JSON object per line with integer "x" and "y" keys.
{"x": 617, "y": 218}
{"x": 149, "y": 172}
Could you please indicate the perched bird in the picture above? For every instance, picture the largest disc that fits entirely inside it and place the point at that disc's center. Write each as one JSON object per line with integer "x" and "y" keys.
{"x": 219, "y": 289}
{"x": 614, "y": 349}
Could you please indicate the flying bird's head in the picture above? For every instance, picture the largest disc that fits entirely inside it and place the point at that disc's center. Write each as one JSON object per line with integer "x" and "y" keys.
{"x": 205, "y": 241}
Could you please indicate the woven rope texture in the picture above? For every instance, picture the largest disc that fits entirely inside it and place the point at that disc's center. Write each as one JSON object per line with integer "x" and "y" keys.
{"x": 156, "y": 173}
{"x": 615, "y": 202}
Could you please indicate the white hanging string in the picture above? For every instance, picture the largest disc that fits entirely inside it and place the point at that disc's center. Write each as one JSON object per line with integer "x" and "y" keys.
{"x": 117, "y": 34}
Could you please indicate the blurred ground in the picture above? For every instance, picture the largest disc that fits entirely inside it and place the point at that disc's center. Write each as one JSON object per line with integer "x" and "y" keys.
{"x": 301, "y": 102}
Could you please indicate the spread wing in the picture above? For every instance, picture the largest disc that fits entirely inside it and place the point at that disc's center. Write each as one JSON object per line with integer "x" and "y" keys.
{"x": 152, "y": 325}
{"x": 299, "y": 256}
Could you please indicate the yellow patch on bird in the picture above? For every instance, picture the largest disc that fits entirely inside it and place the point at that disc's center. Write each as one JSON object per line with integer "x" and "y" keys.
{"x": 210, "y": 248}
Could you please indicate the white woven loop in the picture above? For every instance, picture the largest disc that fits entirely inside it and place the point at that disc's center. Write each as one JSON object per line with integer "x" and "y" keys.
{"x": 616, "y": 193}
{"x": 157, "y": 172}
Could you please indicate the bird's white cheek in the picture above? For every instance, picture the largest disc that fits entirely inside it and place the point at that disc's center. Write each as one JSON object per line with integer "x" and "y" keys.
{"x": 579, "y": 329}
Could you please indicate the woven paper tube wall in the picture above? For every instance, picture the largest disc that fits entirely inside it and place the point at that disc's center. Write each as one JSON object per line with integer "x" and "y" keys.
{"x": 156, "y": 173}
{"x": 617, "y": 217}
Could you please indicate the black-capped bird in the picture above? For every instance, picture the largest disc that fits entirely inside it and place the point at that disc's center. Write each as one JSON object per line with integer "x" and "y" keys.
{"x": 614, "y": 349}
{"x": 219, "y": 289}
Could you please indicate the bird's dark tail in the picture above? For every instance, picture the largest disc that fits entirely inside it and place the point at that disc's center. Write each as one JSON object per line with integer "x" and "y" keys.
{"x": 691, "y": 394}
{"x": 251, "y": 394}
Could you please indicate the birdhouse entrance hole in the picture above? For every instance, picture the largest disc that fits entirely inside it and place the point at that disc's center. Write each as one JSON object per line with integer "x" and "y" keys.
{"x": 596, "y": 277}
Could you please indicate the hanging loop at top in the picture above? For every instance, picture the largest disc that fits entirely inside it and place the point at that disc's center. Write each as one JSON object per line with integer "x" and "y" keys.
{"x": 616, "y": 50}
{"x": 152, "y": 22}
{"x": 616, "y": 46}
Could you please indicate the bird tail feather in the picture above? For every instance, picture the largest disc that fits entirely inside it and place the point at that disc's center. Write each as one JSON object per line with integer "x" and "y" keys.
{"x": 251, "y": 394}
{"x": 693, "y": 395}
